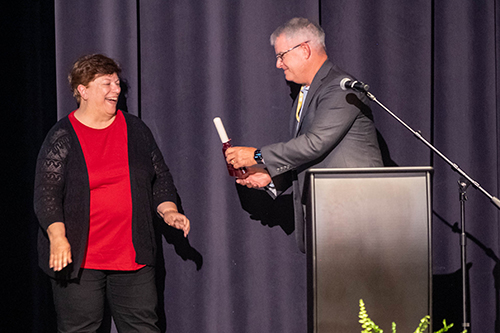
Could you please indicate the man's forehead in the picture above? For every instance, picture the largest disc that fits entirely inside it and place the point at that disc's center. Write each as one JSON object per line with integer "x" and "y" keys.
{"x": 285, "y": 42}
{"x": 287, "y": 38}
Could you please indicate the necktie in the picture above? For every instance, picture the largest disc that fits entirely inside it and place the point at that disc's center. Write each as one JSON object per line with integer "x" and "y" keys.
{"x": 299, "y": 104}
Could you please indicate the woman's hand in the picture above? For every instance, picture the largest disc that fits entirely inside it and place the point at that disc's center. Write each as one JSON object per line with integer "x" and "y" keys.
{"x": 168, "y": 211}
{"x": 60, "y": 249}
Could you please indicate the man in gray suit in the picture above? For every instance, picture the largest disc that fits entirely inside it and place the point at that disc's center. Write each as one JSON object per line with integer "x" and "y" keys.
{"x": 330, "y": 127}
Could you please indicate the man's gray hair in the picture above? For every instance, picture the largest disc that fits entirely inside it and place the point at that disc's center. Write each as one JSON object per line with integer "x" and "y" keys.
{"x": 300, "y": 26}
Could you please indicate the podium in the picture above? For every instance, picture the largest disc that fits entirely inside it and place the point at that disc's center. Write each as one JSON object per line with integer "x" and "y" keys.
{"x": 368, "y": 237}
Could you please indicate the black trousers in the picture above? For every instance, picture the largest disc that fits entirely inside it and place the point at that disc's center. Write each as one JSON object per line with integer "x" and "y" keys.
{"x": 131, "y": 295}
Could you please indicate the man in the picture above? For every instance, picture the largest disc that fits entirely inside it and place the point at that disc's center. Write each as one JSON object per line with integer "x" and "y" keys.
{"x": 330, "y": 127}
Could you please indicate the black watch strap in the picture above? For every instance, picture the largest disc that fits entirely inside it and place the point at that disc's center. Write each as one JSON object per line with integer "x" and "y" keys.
{"x": 257, "y": 155}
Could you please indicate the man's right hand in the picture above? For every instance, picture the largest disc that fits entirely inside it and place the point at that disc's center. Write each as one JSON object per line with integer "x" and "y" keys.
{"x": 257, "y": 178}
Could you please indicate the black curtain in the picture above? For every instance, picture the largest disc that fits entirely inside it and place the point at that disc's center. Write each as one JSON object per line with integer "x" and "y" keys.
{"x": 29, "y": 102}
{"x": 434, "y": 63}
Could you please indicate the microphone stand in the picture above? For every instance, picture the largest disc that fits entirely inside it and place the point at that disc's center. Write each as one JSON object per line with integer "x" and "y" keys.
{"x": 463, "y": 183}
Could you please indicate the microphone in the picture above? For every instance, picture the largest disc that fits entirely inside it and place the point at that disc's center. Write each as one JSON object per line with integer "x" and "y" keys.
{"x": 353, "y": 84}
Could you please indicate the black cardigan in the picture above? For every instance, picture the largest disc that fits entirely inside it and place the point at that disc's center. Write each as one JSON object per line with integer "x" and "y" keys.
{"x": 62, "y": 192}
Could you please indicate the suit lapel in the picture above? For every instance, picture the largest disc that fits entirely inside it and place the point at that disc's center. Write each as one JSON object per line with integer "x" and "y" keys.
{"x": 293, "y": 121}
{"x": 315, "y": 84}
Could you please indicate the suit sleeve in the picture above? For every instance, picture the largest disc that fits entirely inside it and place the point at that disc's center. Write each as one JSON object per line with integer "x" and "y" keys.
{"x": 328, "y": 118}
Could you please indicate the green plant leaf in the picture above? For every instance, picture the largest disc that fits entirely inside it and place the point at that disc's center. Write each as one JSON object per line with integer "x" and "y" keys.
{"x": 369, "y": 326}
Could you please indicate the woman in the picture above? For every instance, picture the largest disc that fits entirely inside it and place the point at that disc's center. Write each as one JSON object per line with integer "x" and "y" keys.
{"x": 99, "y": 178}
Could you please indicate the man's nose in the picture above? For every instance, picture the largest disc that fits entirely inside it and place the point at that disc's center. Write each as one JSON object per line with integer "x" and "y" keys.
{"x": 279, "y": 63}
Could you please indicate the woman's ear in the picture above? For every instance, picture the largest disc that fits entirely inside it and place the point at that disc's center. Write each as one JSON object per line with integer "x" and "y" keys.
{"x": 83, "y": 91}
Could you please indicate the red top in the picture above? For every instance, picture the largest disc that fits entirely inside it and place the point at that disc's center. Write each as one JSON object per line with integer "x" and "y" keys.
{"x": 109, "y": 245}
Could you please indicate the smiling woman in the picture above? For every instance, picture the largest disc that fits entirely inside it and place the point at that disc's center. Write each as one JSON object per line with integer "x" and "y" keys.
{"x": 96, "y": 167}
{"x": 98, "y": 101}
{"x": 96, "y": 87}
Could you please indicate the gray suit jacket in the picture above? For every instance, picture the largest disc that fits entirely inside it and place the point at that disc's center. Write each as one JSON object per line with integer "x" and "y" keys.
{"x": 336, "y": 131}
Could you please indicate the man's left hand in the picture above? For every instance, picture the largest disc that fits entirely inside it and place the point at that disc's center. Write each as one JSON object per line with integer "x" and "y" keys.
{"x": 240, "y": 157}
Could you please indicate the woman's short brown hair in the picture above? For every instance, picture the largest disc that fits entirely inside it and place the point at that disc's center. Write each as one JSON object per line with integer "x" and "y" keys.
{"x": 87, "y": 68}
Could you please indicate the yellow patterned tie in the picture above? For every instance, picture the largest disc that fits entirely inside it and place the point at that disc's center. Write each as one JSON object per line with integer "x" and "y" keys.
{"x": 299, "y": 104}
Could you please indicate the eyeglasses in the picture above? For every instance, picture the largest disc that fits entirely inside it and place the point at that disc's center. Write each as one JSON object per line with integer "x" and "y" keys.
{"x": 280, "y": 55}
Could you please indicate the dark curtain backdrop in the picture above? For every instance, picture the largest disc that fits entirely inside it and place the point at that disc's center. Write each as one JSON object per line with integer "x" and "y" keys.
{"x": 434, "y": 63}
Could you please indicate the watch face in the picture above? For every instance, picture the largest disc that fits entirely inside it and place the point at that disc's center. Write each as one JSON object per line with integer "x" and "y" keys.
{"x": 258, "y": 155}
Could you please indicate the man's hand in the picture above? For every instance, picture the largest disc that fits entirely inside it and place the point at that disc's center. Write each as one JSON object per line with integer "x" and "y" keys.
{"x": 255, "y": 178}
{"x": 240, "y": 157}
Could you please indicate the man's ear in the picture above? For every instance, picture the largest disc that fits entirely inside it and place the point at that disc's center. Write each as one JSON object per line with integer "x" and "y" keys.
{"x": 306, "y": 48}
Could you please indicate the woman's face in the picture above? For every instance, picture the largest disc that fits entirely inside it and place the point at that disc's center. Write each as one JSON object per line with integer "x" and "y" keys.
{"x": 102, "y": 93}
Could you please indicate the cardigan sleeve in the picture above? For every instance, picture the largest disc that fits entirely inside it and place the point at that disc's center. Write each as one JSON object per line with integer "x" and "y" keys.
{"x": 141, "y": 140}
{"x": 50, "y": 177}
{"x": 163, "y": 185}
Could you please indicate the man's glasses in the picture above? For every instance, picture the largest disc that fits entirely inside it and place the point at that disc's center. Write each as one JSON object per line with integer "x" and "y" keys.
{"x": 280, "y": 55}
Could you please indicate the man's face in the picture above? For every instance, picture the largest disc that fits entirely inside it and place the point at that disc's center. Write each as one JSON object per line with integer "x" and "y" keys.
{"x": 290, "y": 58}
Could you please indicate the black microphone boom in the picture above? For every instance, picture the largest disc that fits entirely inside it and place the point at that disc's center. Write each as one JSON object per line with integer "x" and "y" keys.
{"x": 353, "y": 84}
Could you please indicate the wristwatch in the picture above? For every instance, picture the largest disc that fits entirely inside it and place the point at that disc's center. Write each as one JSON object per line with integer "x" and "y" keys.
{"x": 257, "y": 155}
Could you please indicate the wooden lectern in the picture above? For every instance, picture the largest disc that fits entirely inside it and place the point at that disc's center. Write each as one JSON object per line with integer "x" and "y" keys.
{"x": 368, "y": 237}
